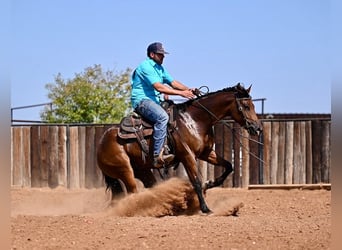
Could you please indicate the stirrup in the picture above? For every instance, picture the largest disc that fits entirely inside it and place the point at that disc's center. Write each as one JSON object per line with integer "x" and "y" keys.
{"x": 162, "y": 160}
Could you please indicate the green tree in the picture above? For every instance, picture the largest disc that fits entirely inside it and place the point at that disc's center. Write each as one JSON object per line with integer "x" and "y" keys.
{"x": 92, "y": 96}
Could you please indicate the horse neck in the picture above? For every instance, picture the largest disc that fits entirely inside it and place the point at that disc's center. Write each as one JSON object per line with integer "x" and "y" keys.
{"x": 212, "y": 108}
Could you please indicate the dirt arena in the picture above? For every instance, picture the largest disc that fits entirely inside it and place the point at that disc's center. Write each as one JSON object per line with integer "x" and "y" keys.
{"x": 167, "y": 217}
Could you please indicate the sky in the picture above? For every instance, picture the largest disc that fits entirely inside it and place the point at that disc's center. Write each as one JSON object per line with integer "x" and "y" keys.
{"x": 281, "y": 48}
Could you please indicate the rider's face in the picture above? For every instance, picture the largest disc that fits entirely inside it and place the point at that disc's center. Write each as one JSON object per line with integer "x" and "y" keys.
{"x": 158, "y": 58}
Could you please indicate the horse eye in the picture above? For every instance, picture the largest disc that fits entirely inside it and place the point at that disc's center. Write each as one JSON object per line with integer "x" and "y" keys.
{"x": 246, "y": 107}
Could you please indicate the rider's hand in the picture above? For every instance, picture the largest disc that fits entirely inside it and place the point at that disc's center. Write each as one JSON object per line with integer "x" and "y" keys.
{"x": 196, "y": 91}
{"x": 188, "y": 93}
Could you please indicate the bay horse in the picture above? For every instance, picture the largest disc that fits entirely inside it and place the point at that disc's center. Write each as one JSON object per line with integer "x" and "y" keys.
{"x": 192, "y": 135}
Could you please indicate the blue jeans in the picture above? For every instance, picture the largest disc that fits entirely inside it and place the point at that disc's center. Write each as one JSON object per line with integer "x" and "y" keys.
{"x": 159, "y": 118}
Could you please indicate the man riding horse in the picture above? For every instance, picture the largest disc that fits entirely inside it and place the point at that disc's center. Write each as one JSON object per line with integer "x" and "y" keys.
{"x": 121, "y": 159}
{"x": 149, "y": 81}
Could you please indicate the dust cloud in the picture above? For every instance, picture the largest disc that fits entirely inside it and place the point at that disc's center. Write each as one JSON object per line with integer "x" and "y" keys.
{"x": 173, "y": 197}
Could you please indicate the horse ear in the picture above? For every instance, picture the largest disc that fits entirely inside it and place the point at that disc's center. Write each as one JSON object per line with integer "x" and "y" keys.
{"x": 238, "y": 86}
{"x": 249, "y": 89}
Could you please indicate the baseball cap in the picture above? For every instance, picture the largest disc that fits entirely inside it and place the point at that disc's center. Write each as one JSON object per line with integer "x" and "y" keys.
{"x": 156, "y": 47}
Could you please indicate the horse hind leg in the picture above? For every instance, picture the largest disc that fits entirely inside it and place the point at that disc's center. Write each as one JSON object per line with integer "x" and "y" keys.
{"x": 146, "y": 176}
{"x": 119, "y": 181}
{"x": 114, "y": 185}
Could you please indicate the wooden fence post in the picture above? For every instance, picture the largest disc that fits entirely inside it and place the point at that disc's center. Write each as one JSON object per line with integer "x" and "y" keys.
{"x": 308, "y": 143}
{"x": 227, "y": 151}
{"x": 281, "y": 154}
{"x": 219, "y": 144}
{"x": 267, "y": 151}
{"x": 62, "y": 156}
{"x": 21, "y": 169}
{"x": 74, "y": 171}
{"x": 326, "y": 146}
{"x": 236, "y": 150}
{"x": 316, "y": 151}
{"x": 82, "y": 155}
{"x": 53, "y": 157}
{"x": 36, "y": 176}
{"x": 289, "y": 153}
{"x": 44, "y": 146}
{"x": 245, "y": 158}
{"x": 274, "y": 152}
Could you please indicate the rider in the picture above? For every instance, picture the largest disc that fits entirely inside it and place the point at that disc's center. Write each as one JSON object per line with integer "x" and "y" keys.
{"x": 149, "y": 80}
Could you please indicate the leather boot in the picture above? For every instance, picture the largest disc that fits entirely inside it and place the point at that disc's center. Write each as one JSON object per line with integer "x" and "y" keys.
{"x": 162, "y": 160}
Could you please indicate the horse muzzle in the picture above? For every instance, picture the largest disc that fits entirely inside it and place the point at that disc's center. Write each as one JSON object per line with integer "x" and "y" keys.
{"x": 253, "y": 128}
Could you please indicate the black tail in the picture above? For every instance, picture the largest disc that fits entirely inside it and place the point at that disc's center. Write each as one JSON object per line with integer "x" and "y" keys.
{"x": 114, "y": 185}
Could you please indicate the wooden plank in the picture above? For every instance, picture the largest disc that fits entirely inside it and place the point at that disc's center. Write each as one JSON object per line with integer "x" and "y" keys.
{"x": 237, "y": 182}
{"x": 299, "y": 153}
{"x": 90, "y": 172}
{"x": 62, "y": 156}
{"x": 293, "y": 186}
{"x": 219, "y": 142}
{"x": 16, "y": 154}
{"x": 26, "y": 152}
{"x": 99, "y": 182}
{"x": 227, "y": 151}
{"x": 74, "y": 173}
{"x": 316, "y": 150}
{"x": 267, "y": 151}
{"x": 210, "y": 171}
{"x": 296, "y": 153}
{"x": 35, "y": 157}
{"x": 13, "y": 159}
{"x": 82, "y": 154}
{"x": 181, "y": 173}
{"x": 53, "y": 157}
{"x": 245, "y": 158}
{"x": 325, "y": 151}
{"x": 281, "y": 154}
{"x": 274, "y": 152}
{"x": 253, "y": 160}
{"x": 308, "y": 142}
{"x": 44, "y": 155}
{"x": 289, "y": 152}
{"x": 202, "y": 168}
{"x": 302, "y": 166}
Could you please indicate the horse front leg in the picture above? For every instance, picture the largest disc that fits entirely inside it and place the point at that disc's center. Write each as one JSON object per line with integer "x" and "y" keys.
{"x": 216, "y": 160}
{"x": 193, "y": 174}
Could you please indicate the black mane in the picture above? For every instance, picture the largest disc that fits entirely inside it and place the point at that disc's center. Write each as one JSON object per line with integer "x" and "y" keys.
{"x": 238, "y": 90}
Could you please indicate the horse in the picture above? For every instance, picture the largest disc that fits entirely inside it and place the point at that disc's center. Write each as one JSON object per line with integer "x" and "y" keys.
{"x": 191, "y": 138}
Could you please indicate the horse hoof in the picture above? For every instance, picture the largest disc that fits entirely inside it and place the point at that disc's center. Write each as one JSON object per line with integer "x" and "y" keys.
{"x": 207, "y": 185}
{"x": 207, "y": 212}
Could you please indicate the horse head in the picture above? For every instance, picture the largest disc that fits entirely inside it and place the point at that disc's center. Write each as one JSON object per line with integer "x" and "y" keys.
{"x": 244, "y": 113}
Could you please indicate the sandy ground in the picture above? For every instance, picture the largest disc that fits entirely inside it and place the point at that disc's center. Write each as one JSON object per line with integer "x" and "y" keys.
{"x": 167, "y": 217}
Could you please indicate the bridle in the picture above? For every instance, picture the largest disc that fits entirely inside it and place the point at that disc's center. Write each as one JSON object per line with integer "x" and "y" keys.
{"x": 248, "y": 124}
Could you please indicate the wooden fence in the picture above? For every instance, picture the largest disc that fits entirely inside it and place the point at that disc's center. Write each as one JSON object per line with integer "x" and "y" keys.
{"x": 287, "y": 152}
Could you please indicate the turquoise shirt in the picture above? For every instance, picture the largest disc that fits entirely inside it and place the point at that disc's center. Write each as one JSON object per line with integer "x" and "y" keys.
{"x": 143, "y": 78}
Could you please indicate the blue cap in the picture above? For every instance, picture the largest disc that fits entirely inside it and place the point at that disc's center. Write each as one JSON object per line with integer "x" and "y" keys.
{"x": 156, "y": 48}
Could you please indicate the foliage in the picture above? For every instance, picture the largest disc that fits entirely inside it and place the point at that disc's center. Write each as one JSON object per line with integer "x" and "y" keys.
{"x": 92, "y": 96}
